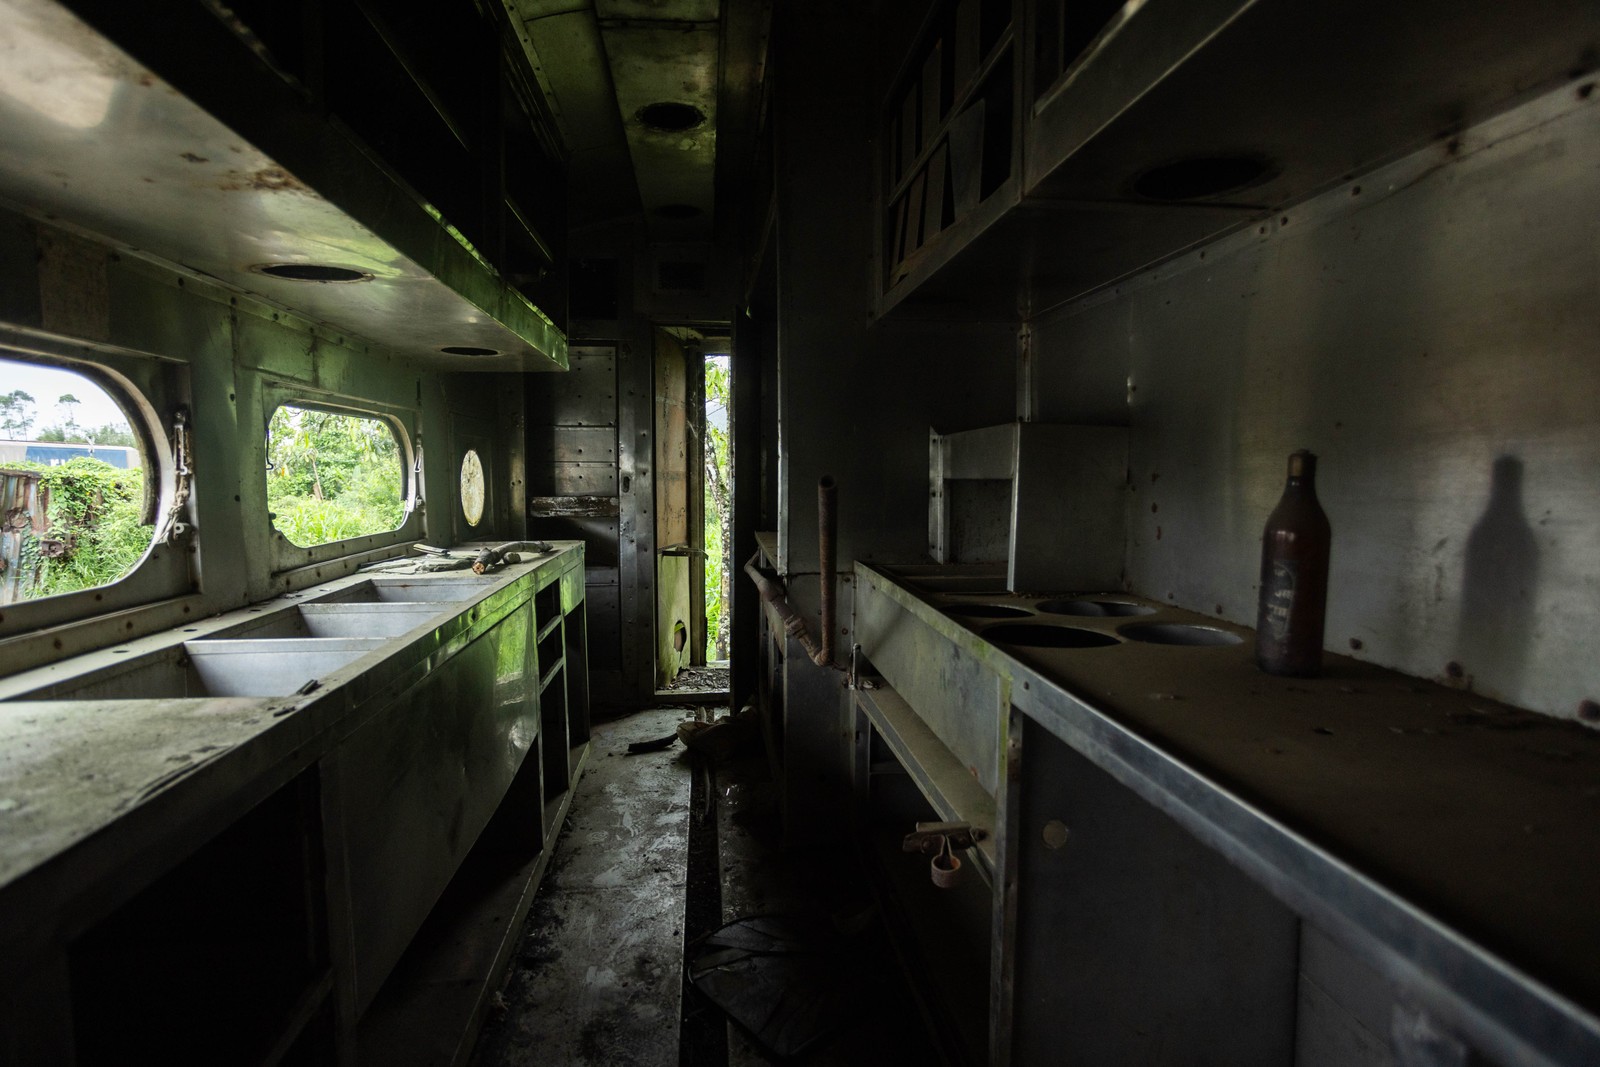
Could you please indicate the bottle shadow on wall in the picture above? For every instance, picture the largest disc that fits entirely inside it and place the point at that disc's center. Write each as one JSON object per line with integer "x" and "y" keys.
{"x": 1498, "y": 589}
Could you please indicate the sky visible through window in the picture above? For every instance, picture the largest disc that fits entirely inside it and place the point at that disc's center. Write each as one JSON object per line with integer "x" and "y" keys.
{"x": 47, "y": 384}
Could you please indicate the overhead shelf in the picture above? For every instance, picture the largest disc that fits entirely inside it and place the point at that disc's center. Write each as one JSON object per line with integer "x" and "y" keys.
{"x": 1180, "y": 122}
{"x": 231, "y": 169}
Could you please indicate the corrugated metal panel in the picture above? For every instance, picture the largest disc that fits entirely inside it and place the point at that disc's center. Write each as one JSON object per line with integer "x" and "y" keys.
{"x": 22, "y": 514}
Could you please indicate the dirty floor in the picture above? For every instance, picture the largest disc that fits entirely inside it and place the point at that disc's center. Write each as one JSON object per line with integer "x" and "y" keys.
{"x": 599, "y": 976}
{"x": 598, "y": 979}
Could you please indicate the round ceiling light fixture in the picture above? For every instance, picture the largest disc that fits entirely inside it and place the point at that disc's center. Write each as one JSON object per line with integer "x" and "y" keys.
{"x": 311, "y": 272}
{"x": 469, "y": 350}
{"x": 670, "y": 116}
{"x": 1204, "y": 177}
{"x": 677, "y": 212}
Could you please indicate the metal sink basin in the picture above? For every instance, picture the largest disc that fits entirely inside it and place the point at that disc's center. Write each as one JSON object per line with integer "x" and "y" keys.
{"x": 405, "y": 591}
{"x": 338, "y": 619}
{"x": 265, "y": 668}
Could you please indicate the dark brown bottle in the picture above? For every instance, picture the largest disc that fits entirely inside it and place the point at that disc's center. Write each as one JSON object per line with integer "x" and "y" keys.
{"x": 1294, "y": 576}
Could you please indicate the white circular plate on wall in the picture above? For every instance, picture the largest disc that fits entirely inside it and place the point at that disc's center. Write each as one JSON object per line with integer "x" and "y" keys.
{"x": 472, "y": 487}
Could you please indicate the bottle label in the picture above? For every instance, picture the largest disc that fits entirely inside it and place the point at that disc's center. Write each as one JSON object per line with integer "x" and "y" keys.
{"x": 1278, "y": 598}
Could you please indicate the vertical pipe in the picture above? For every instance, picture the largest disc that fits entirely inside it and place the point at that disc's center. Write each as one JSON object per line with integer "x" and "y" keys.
{"x": 827, "y": 527}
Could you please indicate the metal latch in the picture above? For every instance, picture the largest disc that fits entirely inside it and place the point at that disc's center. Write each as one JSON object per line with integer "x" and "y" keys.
{"x": 172, "y": 528}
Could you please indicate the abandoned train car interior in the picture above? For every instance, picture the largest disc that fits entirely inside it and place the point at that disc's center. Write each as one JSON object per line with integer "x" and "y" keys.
{"x": 846, "y": 531}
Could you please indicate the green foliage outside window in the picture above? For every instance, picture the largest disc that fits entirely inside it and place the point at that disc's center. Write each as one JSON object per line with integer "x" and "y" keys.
{"x": 331, "y": 476}
{"x": 94, "y": 535}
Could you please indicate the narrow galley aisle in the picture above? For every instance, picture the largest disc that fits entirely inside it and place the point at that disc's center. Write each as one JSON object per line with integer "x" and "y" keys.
{"x": 598, "y": 976}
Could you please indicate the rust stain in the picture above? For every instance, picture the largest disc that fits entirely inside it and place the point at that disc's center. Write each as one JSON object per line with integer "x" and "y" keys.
{"x": 192, "y": 158}
{"x": 265, "y": 180}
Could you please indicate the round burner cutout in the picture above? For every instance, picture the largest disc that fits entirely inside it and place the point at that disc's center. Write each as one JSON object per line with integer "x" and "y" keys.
{"x": 1097, "y": 609}
{"x": 987, "y": 611}
{"x": 1037, "y": 635}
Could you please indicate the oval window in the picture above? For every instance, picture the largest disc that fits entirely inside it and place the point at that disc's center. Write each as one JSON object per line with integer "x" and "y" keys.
{"x": 332, "y": 476}
{"x": 472, "y": 487}
{"x": 71, "y": 484}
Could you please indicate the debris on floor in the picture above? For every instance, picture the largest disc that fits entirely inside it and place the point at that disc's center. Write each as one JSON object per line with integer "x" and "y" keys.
{"x": 791, "y": 983}
{"x": 597, "y": 979}
{"x": 655, "y": 744}
{"x": 725, "y": 738}
{"x": 699, "y": 680}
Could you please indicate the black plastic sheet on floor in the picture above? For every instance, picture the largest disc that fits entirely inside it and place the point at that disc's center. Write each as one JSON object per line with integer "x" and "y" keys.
{"x": 791, "y": 984}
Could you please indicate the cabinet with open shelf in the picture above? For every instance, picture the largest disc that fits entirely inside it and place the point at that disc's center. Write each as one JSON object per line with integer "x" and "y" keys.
{"x": 276, "y": 880}
{"x": 1266, "y": 866}
{"x": 1143, "y": 130}
{"x": 949, "y": 148}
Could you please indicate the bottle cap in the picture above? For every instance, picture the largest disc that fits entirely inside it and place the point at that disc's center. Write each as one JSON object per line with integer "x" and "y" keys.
{"x": 1302, "y": 463}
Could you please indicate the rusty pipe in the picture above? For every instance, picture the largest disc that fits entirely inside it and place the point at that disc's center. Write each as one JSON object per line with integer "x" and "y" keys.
{"x": 773, "y": 592}
{"x": 827, "y": 531}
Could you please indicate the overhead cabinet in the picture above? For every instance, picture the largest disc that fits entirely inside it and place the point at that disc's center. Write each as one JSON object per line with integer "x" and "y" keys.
{"x": 1145, "y": 129}
{"x": 950, "y": 147}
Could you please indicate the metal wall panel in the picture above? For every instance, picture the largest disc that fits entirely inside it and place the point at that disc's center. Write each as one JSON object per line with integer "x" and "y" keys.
{"x": 1345, "y": 1008}
{"x": 422, "y": 779}
{"x": 574, "y": 452}
{"x": 578, "y": 444}
{"x": 960, "y": 697}
{"x": 1429, "y": 331}
{"x": 1136, "y": 943}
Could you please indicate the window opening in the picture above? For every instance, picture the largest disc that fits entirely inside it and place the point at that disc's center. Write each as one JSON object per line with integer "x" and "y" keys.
{"x": 332, "y": 476}
{"x": 718, "y": 508}
{"x": 72, "y": 493}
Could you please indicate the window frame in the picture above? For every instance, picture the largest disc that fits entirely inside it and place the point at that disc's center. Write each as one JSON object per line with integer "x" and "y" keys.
{"x": 289, "y": 560}
{"x": 150, "y": 389}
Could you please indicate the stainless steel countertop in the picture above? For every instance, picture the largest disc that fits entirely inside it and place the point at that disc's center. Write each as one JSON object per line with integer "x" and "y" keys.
{"x": 70, "y": 769}
{"x": 1455, "y": 837}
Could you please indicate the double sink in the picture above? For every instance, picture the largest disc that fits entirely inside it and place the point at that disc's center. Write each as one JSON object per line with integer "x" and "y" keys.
{"x": 272, "y": 652}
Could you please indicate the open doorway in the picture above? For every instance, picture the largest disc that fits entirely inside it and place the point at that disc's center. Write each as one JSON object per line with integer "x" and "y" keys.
{"x": 694, "y": 511}
{"x": 718, "y": 507}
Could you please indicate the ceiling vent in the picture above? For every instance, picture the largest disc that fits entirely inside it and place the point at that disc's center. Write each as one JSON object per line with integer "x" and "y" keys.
{"x": 667, "y": 116}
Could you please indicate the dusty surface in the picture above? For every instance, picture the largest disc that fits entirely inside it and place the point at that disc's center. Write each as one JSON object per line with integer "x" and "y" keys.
{"x": 598, "y": 977}
{"x": 67, "y": 770}
{"x": 1485, "y": 816}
